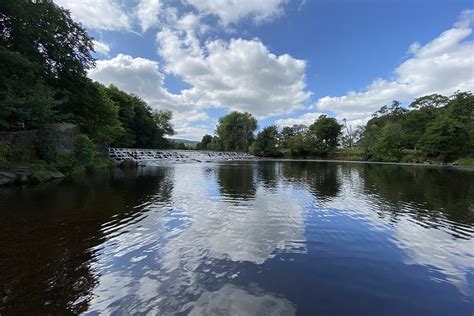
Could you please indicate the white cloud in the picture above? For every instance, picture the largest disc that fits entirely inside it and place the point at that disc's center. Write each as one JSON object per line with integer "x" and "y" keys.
{"x": 147, "y": 13}
{"x": 98, "y": 14}
{"x": 239, "y": 74}
{"x": 102, "y": 48}
{"x": 142, "y": 77}
{"x": 444, "y": 65}
{"x": 305, "y": 119}
{"x": 232, "y": 11}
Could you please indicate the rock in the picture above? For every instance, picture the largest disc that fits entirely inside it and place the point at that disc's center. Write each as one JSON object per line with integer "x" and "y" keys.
{"x": 37, "y": 176}
{"x": 56, "y": 175}
{"x": 7, "y": 178}
{"x": 21, "y": 177}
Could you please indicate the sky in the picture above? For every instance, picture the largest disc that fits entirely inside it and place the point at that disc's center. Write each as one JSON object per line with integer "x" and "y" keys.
{"x": 284, "y": 61}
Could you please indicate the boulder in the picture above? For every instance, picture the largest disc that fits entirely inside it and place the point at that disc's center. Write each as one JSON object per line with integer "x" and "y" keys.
{"x": 56, "y": 175}
{"x": 21, "y": 177}
{"x": 7, "y": 178}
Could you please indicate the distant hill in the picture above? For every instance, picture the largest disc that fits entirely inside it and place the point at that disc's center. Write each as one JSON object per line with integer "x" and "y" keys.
{"x": 187, "y": 142}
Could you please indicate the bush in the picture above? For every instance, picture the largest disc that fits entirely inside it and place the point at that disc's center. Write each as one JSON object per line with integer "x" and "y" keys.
{"x": 4, "y": 151}
{"x": 84, "y": 150}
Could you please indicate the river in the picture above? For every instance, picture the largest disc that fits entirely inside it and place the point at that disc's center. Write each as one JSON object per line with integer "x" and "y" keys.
{"x": 242, "y": 238}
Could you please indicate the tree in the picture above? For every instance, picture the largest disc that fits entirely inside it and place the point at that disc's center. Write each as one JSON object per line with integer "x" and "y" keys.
{"x": 445, "y": 138}
{"x": 94, "y": 112}
{"x": 143, "y": 127}
{"x": 430, "y": 101}
{"x": 235, "y": 131}
{"x": 293, "y": 140}
{"x": 206, "y": 140}
{"x": 388, "y": 143}
{"x": 216, "y": 144}
{"x": 162, "y": 119}
{"x": 26, "y": 100}
{"x": 267, "y": 142}
{"x": 323, "y": 135}
{"x": 45, "y": 34}
{"x": 350, "y": 136}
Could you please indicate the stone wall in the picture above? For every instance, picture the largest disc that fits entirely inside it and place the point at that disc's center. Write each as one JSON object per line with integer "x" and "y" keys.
{"x": 24, "y": 143}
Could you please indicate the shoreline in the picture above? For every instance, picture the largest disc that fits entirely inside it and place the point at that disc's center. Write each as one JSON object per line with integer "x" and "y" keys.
{"x": 413, "y": 164}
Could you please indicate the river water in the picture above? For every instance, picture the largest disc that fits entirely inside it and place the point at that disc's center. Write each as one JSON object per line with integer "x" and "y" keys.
{"x": 242, "y": 238}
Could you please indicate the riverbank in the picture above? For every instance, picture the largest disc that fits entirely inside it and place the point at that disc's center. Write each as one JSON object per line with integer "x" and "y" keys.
{"x": 408, "y": 157}
{"x": 34, "y": 172}
{"x": 27, "y": 174}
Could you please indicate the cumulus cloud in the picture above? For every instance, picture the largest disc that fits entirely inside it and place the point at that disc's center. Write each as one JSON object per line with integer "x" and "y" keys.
{"x": 239, "y": 74}
{"x": 143, "y": 77}
{"x": 304, "y": 119}
{"x": 147, "y": 13}
{"x": 232, "y": 11}
{"x": 98, "y": 14}
{"x": 444, "y": 65}
{"x": 102, "y": 48}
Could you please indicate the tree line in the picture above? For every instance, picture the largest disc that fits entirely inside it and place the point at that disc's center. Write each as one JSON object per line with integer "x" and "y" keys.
{"x": 432, "y": 127}
{"x": 44, "y": 59}
{"x": 45, "y": 56}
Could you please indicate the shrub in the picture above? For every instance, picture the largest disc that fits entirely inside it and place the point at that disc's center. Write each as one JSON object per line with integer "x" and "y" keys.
{"x": 84, "y": 150}
{"x": 4, "y": 151}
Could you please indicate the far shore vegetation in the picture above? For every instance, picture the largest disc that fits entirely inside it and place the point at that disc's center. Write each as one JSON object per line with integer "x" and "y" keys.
{"x": 433, "y": 129}
{"x": 44, "y": 59}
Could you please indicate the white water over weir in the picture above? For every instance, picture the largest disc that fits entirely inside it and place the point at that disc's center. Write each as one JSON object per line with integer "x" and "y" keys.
{"x": 168, "y": 155}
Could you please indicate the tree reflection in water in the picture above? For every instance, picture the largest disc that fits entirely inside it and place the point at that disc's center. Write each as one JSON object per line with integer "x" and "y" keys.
{"x": 49, "y": 232}
{"x": 272, "y": 237}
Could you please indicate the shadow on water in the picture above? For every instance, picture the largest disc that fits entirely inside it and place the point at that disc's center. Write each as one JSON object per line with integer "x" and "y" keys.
{"x": 48, "y": 233}
{"x": 431, "y": 191}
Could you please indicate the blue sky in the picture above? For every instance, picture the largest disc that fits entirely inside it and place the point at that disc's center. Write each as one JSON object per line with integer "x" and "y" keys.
{"x": 284, "y": 61}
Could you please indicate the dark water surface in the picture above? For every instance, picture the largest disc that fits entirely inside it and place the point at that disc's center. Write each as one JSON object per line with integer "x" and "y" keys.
{"x": 248, "y": 238}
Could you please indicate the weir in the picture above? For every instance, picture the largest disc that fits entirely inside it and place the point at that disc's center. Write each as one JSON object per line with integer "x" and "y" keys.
{"x": 169, "y": 155}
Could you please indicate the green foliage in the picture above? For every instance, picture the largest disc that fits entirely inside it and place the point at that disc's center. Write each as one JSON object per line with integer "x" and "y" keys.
{"x": 143, "y": 127}
{"x": 26, "y": 100}
{"x": 323, "y": 135}
{"x": 84, "y": 151}
{"x": 4, "y": 151}
{"x": 437, "y": 127}
{"x": 235, "y": 131}
{"x": 267, "y": 143}
{"x": 203, "y": 145}
{"x": 293, "y": 140}
{"x": 216, "y": 144}
{"x": 47, "y": 36}
{"x": 180, "y": 146}
{"x": 44, "y": 59}
{"x": 445, "y": 138}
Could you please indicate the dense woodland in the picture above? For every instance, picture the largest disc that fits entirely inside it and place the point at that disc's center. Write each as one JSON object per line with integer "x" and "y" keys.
{"x": 44, "y": 59}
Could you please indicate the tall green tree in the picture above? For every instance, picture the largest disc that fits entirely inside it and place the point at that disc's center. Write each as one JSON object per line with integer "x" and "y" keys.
{"x": 236, "y": 131}
{"x": 204, "y": 143}
{"x": 45, "y": 34}
{"x": 267, "y": 143}
{"x": 323, "y": 135}
{"x": 26, "y": 101}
